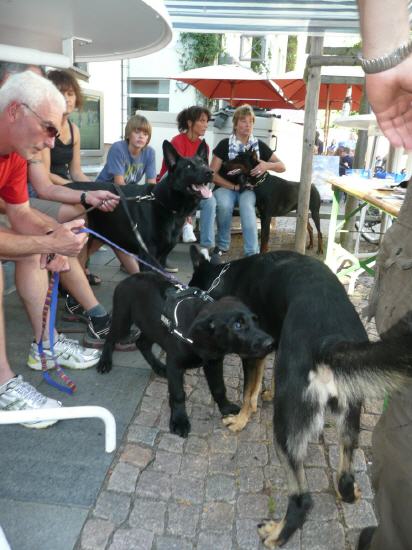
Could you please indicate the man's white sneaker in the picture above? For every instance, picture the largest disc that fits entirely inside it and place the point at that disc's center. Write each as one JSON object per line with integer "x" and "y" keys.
{"x": 188, "y": 233}
{"x": 18, "y": 395}
{"x": 69, "y": 353}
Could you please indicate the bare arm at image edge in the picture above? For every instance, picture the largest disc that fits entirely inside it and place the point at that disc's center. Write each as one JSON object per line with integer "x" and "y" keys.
{"x": 385, "y": 27}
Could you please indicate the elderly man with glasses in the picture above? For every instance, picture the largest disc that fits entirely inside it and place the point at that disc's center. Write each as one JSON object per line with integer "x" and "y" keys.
{"x": 31, "y": 111}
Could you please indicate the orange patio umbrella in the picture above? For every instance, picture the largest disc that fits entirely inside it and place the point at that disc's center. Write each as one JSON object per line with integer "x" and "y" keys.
{"x": 331, "y": 95}
{"x": 235, "y": 84}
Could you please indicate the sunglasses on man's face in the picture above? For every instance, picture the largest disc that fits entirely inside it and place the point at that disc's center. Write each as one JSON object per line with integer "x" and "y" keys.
{"x": 51, "y": 130}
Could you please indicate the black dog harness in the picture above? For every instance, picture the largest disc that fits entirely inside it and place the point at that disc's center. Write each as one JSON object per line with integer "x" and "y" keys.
{"x": 175, "y": 296}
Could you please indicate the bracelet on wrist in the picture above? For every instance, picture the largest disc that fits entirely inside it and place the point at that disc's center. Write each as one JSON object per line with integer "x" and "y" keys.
{"x": 83, "y": 199}
{"x": 388, "y": 61}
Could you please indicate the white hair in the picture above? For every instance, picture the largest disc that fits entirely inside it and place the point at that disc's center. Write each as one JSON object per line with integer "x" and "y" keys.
{"x": 32, "y": 89}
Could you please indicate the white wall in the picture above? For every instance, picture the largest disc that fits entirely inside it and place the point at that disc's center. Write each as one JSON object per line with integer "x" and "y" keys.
{"x": 106, "y": 76}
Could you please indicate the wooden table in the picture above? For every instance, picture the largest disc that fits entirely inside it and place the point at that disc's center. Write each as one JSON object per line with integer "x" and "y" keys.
{"x": 375, "y": 192}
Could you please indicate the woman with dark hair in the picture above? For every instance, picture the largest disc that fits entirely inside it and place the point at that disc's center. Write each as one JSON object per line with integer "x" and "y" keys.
{"x": 63, "y": 161}
{"x": 192, "y": 125}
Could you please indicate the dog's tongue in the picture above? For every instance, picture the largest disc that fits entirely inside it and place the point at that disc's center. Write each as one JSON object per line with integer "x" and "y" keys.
{"x": 204, "y": 190}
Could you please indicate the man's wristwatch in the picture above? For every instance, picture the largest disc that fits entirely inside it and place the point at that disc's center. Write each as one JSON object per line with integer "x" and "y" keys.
{"x": 388, "y": 61}
{"x": 83, "y": 199}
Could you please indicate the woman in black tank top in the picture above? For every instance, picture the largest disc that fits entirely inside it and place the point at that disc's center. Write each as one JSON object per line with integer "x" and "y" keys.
{"x": 63, "y": 161}
{"x": 61, "y": 156}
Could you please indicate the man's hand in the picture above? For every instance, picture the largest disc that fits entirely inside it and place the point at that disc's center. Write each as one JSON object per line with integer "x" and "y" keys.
{"x": 103, "y": 200}
{"x": 67, "y": 240}
{"x": 54, "y": 262}
{"x": 390, "y": 95}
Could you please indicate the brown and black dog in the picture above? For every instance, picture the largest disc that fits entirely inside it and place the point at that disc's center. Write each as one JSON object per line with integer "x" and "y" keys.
{"x": 193, "y": 330}
{"x": 274, "y": 196}
{"x": 324, "y": 360}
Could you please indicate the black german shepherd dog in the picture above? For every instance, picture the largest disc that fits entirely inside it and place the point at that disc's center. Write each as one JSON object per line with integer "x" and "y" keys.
{"x": 191, "y": 328}
{"x": 323, "y": 359}
{"x": 274, "y": 196}
{"x": 160, "y": 219}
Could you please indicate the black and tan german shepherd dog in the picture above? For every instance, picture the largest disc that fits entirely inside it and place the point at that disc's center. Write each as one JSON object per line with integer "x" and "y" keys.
{"x": 323, "y": 360}
{"x": 160, "y": 216}
{"x": 191, "y": 328}
{"x": 274, "y": 196}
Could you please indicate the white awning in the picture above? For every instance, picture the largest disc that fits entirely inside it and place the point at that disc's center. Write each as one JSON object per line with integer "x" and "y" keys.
{"x": 264, "y": 17}
{"x": 103, "y": 30}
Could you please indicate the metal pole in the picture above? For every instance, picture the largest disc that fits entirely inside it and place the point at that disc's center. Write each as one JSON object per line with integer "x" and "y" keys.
{"x": 348, "y": 235}
{"x": 309, "y": 129}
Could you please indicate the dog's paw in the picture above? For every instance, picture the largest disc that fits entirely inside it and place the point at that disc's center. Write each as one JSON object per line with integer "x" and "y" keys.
{"x": 269, "y": 531}
{"x": 236, "y": 423}
{"x": 180, "y": 426}
{"x": 267, "y": 395}
{"x": 103, "y": 366}
{"x": 348, "y": 489}
{"x": 229, "y": 408}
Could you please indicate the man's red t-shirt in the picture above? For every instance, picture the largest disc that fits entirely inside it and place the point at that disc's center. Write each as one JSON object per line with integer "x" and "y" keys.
{"x": 13, "y": 179}
{"x": 184, "y": 147}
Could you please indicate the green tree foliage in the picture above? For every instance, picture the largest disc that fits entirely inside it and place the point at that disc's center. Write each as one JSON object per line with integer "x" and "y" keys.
{"x": 291, "y": 53}
{"x": 198, "y": 49}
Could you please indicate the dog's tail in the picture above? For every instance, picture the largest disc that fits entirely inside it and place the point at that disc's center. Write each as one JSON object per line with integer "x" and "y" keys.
{"x": 370, "y": 369}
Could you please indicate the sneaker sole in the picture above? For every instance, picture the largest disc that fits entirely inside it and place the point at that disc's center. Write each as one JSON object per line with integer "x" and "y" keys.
{"x": 72, "y": 317}
{"x": 171, "y": 269}
{"x": 51, "y": 366}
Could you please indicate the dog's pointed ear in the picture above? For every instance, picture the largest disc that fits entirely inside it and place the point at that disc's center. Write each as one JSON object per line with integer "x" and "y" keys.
{"x": 196, "y": 256}
{"x": 202, "y": 152}
{"x": 202, "y": 329}
{"x": 170, "y": 155}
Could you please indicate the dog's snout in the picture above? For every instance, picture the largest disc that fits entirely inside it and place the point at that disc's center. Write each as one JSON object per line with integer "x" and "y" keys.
{"x": 269, "y": 343}
{"x": 265, "y": 345}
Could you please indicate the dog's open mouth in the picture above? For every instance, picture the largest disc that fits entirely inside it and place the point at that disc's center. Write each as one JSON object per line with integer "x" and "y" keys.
{"x": 202, "y": 190}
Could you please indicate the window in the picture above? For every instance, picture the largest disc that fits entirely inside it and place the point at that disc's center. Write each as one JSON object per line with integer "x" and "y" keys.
{"x": 252, "y": 48}
{"x": 147, "y": 95}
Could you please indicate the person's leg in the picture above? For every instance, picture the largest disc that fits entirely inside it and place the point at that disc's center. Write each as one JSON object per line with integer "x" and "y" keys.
{"x": 207, "y": 222}
{"x": 32, "y": 284}
{"x": 5, "y": 371}
{"x": 15, "y": 393}
{"x": 392, "y": 451}
{"x": 76, "y": 283}
{"x": 247, "y": 203}
{"x": 225, "y": 202}
{"x": 68, "y": 212}
{"x": 128, "y": 262}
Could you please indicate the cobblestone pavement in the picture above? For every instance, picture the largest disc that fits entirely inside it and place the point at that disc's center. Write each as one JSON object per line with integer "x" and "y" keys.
{"x": 208, "y": 492}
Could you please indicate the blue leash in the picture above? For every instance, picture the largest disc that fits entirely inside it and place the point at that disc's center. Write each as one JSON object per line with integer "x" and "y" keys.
{"x": 51, "y": 305}
{"x": 51, "y": 302}
{"x": 140, "y": 260}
